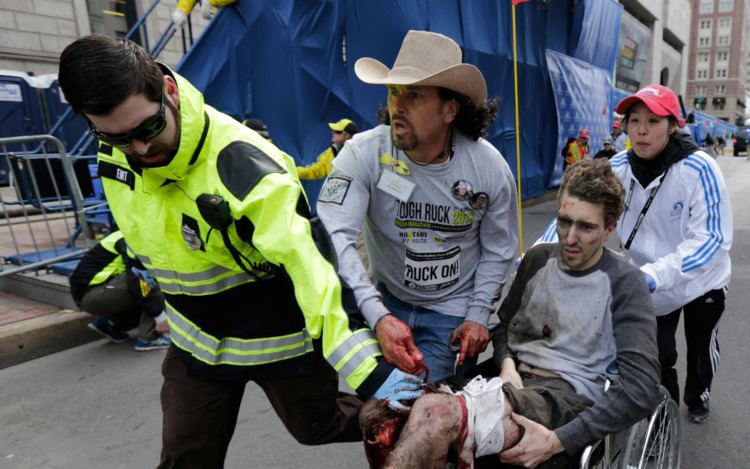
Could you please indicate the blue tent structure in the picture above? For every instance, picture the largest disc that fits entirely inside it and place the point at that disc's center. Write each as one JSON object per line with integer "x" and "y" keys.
{"x": 20, "y": 113}
{"x": 291, "y": 63}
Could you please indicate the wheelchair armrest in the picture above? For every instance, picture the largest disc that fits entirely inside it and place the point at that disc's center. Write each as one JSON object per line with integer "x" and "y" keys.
{"x": 591, "y": 454}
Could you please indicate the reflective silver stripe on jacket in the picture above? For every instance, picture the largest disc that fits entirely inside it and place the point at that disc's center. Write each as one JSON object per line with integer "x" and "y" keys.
{"x": 234, "y": 351}
{"x": 366, "y": 340}
{"x": 191, "y": 277}
{"x": 173, "y": 282}
{"x": 205, "y": 289}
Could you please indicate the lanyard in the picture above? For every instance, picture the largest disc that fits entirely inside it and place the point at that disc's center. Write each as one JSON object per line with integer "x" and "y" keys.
{"x": 646, "y": 206}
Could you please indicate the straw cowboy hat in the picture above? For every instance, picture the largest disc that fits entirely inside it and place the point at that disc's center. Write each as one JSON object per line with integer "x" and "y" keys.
{"x": 427, "y": 59}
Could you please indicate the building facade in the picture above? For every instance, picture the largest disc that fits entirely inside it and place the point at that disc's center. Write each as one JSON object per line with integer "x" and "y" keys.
{"x": 653, "y": 45}
{"x": 34, "y": 32}
{"x": 718, "y": 78}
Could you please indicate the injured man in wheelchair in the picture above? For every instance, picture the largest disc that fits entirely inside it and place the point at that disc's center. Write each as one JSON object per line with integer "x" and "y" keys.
{"x": 574, "y": 308}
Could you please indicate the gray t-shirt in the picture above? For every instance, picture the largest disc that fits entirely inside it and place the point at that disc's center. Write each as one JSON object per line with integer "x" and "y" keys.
{"x": 575, "y": 324}
{"x": 448, "y": 247}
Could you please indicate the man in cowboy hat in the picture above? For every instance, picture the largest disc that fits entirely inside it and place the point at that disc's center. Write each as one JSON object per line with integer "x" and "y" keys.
{"x": 341, "y": 131}
{"x": 438, "y": 203}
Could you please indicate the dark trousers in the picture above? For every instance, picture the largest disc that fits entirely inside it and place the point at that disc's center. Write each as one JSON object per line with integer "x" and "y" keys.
{"x": 199, "y": 416}
{"x": 114, "y": 301}
{"x": 701, "y": 336}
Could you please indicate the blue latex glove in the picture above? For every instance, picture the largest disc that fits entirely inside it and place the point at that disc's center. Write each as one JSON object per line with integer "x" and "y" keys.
{"x": 399, "y": 386}
{"x": 651, "y": 282}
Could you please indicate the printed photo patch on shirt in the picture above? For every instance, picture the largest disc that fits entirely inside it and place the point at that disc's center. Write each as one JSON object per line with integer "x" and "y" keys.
{"x": 334, "y": 190}
{"x": 462, "y": 190}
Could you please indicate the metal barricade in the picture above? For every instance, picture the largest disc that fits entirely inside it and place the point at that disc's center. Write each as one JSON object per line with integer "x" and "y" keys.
{"x": 47, "y": 205}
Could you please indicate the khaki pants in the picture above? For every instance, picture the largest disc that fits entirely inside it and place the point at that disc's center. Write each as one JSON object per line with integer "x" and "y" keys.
{"x": 199, "y": 415}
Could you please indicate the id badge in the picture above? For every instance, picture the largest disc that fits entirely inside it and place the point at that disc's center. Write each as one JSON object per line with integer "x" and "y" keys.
{"x": 395, "y": 185}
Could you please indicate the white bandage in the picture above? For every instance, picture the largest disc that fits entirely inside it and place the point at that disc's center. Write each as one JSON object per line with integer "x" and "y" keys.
{"x": 485, "y": 405}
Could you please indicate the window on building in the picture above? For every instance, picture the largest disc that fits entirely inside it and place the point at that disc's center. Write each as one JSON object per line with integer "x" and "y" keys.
{"x": 702, "y": 74}
{"x": 721, "y": 90}
{"x": 112, "y": 17}
{"x": 704, "y": 41}
{"x": 721, "y": 73}
{"x": 707, "y": 6}
{"x": 725, "y": 23}
{"x": 702, "y": 57}
{"x": 704, "y": 24}
{"x": 725, "y": 5}
{"x": 723, "y": 40}
{"x": 700, "y": 90}
{"x": 722, "y": 56}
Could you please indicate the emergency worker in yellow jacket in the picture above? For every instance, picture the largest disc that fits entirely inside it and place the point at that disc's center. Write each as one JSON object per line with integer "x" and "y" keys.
{"x": 341, "y": 131}
{"x": 578, "y": 149}
{"x": 217, "y": 215}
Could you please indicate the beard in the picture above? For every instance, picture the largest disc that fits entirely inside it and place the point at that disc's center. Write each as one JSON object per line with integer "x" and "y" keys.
{"x": 168, "y": 149}
{"x": 406, "y": 142}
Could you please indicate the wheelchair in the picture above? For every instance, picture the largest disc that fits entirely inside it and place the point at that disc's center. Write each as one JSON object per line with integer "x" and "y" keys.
{"x": 652, "y": 443}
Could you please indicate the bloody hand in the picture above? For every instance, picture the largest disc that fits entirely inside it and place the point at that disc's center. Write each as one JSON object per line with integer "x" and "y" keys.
{"x": 398, "y": 346}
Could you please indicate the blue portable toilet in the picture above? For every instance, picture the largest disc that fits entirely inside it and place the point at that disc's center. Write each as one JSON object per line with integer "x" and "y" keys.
{"x": 20, "y": 113}
{"x": 74, "y": 126}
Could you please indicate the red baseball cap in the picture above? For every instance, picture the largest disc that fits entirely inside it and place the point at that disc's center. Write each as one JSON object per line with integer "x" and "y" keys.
{"x": 658, "y": 99}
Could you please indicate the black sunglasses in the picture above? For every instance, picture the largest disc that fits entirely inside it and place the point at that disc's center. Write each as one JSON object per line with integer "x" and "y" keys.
{"x": 148, "y": 130}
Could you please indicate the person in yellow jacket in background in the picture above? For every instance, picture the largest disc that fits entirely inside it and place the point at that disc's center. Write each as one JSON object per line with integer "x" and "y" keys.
{"x": 184, "y": 7}
{"x": 341, "y": 131}
{"x": 217, "y": 215}
{"x": 578, "y": 149}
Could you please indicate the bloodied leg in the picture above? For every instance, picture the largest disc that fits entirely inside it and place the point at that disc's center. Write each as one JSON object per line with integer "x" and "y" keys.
{"x": 473, "y": 422}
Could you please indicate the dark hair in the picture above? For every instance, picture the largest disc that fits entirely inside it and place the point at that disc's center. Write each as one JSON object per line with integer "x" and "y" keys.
{"x": 352, "y": 129}
{"x": 256, "y": 124}
{"x": 98, "y": 73}
{"x": 471, "y": 120}
{"x": 593, "y": 181}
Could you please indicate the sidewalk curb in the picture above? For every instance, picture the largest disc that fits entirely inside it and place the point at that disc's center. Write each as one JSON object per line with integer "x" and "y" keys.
{"x": 36, "y": 337}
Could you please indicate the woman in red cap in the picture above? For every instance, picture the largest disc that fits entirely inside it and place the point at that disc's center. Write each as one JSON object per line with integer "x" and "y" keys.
{"x": 677, "y": 227}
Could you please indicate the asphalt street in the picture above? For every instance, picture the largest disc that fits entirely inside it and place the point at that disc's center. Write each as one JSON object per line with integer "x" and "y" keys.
{"x": 97, "y": 405}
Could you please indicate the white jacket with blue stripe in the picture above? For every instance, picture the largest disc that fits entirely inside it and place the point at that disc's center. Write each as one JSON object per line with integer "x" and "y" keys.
{"x": 685, "y": 237}
{"x": 684, "y": 240}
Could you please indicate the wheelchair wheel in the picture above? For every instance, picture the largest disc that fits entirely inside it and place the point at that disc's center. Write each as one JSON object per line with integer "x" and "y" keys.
{"x": 655, "y": 443}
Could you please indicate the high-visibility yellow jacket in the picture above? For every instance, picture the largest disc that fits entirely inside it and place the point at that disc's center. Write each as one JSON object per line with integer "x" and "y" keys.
{"x": 224, "y": 319}
{"x": 188, "y": 5}
{"x": 322, "y": 166}
{"x": 576, "y": 152}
